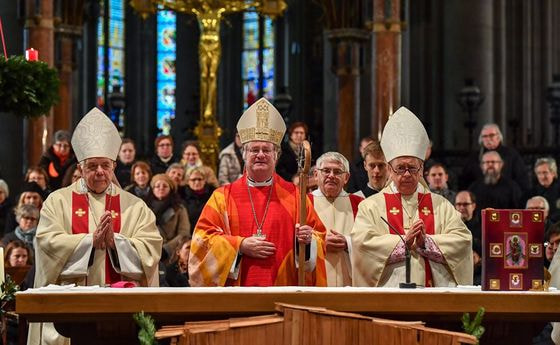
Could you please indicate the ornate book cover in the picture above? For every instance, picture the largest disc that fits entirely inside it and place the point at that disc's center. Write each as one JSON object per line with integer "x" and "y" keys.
{"x": 512, "y": 255}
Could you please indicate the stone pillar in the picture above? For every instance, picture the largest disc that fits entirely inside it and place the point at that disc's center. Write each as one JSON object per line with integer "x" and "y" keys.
{"x": 387, "y": 26}
{"x": 63, "y": 110}
{"x": 39, "y": 33}
{"x": 68, "y": 27}
{"x": 346, "y": 50}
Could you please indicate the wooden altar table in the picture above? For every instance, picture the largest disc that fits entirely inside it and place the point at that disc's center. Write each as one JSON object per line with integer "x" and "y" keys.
{"x": 91, "y": 314}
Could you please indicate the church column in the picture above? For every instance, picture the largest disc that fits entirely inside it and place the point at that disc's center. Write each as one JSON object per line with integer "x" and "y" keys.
{"x": 387, "y": 26}
{"x": 69, "y": 21}
{"x": 346, "y": 50}
{"x": 63, "y": 110}
{"x": 39, "y": 34}
{"x": 345, "y": 31}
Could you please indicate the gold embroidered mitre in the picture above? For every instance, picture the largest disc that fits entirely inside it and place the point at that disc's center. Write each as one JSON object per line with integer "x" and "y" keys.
{"x": 96, "y": 136}
{"x": 261, "y": 122}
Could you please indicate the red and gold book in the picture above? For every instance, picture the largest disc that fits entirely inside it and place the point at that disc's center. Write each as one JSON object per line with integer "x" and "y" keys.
{"x": 512, "y": 258}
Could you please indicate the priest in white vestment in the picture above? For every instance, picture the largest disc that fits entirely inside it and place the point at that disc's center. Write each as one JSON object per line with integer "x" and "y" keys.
{"x": 337, "y": 210}
{"x": 93, "y": 232}
{"x": 439, "y": 242}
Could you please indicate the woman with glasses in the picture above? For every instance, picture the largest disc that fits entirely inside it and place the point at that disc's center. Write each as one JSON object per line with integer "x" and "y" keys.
{"x": 196, "y": 194}
{"x": 172, "y": 219}
{"x": 58, "y": 158}
{"x": 191, "y": 160}
{"x": 27, "y": 217}
{"x": 163, "y": 157}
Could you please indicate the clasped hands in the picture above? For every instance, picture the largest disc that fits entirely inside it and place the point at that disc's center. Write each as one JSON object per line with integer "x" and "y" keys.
{"x": 103, "y": 236}
{"x": 259, "y": 248}
{"x": 416, "y": 236}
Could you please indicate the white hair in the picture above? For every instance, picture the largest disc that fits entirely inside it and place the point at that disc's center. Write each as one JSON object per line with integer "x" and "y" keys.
{"x": 333, "y": 156}
{"x": 541, "y": 199}
{"x": 488, "y": 126}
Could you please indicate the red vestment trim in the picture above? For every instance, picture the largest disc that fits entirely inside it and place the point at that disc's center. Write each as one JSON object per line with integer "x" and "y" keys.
{"x": 80, "y": 224}
{"x": 426, "y": 213}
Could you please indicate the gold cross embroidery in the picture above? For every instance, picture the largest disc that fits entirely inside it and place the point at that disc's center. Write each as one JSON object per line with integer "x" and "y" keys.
{"x": 426, "y": 211}
{"x": 394, "y": 211}
{"x": 114, "y": 214}
{"x": 80, "y": 212}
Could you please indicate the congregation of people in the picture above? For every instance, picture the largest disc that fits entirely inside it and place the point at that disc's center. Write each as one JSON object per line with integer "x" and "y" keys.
{"x": 176, "y": 188}
{"x": 93, "y": 212}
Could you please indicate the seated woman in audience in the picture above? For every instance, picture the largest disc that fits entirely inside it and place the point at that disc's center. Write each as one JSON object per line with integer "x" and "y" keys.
{"x": 140, "y": 175}
{"x": 177, "y": 273}
{"x": 39, "y": 176}
{"x": 197, "y": 193}
{"x": 32, "y": 194}
{"x": 125, "y": 160}
{"x": 72, "y": 175}
{"x": 27, "y": 217}
{"x": 17, "y": 254}
{"x": 172, "y": 219}
{"x": 191, "y": 159}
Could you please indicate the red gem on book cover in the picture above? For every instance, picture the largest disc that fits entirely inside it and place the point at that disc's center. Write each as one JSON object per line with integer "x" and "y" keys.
{"x": 512, "y": 255}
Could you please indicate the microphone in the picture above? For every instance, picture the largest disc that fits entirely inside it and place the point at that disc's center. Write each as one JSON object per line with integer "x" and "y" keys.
{"x": 407, "y": 284}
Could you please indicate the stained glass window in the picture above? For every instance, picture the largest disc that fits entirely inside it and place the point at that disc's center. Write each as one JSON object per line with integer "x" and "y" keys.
{"x": 257, "y": 58}
{"x": 110, "y": 59}
{"x": 166, "y": 75}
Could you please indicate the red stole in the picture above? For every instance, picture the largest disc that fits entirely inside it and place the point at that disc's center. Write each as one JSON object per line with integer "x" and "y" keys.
{"x": 80, "y": 224}
{"x": 426, "y": 212}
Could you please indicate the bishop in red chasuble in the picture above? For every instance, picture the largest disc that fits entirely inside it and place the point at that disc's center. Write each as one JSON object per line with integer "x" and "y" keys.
{"x": 248, "y": 231}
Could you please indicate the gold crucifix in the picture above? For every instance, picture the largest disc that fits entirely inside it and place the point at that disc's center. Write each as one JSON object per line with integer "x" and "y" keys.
{"x": 209, "y": 14}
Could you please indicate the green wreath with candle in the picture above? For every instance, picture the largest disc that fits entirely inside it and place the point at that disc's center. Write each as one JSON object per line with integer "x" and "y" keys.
{"x": 27, "y": 89}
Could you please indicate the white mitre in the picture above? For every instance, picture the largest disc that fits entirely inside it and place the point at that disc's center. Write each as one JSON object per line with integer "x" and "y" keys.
{"x": 96, "y": 136}
{"x": 261, "y": 122}
{"x": 404, "y": 135}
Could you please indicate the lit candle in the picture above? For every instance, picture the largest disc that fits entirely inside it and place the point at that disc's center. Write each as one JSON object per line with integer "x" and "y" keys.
{"x": 31, "y": 55}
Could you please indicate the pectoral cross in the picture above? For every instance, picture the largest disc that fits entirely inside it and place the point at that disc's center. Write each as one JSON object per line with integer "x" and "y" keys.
{"x": 80, "y": 212}
{"x": 260, "y": 234}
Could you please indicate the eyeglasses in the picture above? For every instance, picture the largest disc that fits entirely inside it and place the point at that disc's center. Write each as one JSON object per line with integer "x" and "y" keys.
{"x": 164, "y": 145}
{"x": 335, "y": 172}
{"x": 93, "y": 166}
{"x": 196, "y": 179}
{"x": 489, "y": 136}
{"x": 256, "y": 151}
{"x": 32, "y": 219}
{"x": 62, "y": 145}
{"x": 463, "y": 204}
{"x": 401, "y": 170}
